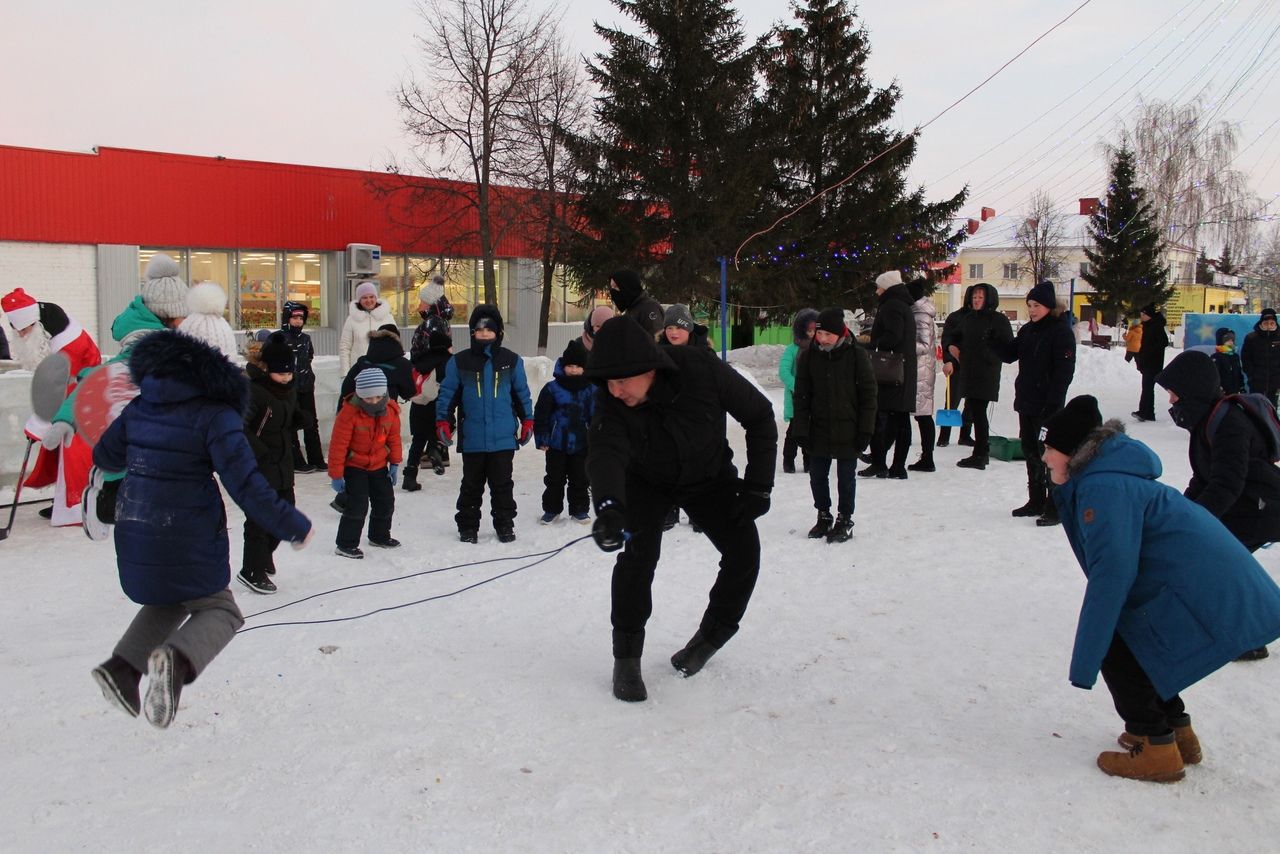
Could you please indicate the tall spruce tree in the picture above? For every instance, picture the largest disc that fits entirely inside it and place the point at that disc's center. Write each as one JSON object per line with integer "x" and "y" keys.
{"x": 1126, "y": 263}
{"x": 824, "y": 119}
{"x": 672, "y": 171}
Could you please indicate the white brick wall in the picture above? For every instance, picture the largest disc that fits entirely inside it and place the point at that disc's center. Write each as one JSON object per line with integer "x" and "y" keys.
{"x": 62, "y": 273}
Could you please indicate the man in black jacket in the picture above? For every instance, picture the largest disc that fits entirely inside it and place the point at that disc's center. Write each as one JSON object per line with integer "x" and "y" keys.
{"x": 1150, "y": 359}
{"x": 633, "y": 301}
{"x": 1260, "y": 356}
{"x": 658, "y": 436}
{"x": 1231, "y": 472}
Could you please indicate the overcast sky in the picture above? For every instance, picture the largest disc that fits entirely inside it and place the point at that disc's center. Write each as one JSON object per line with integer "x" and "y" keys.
{"x": 309, "y": 81}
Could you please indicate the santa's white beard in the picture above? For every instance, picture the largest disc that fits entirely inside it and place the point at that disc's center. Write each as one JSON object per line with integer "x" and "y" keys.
{"x": 30, "y": 349}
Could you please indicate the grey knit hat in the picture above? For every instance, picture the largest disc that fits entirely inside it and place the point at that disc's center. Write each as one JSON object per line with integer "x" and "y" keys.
{"x": 678, "y": 315}
{"x": 163, "y": 293}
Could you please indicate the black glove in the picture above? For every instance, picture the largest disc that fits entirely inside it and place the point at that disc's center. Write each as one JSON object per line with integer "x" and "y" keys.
{"x": 862, "y": 442}
{"x": 1128, "y": 357}
{"x": 752, "y": 503}
{"x": 609, "y": 529}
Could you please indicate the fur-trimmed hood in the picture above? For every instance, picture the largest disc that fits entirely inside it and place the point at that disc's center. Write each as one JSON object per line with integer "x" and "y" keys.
{"x": 1109, "y": 448}
{"x": 800, "y": 325}
{"x": 170, "y": 367}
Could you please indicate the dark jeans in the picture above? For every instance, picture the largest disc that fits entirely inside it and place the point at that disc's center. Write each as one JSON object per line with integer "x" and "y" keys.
{"x": 927, "y": 434}
{"x": 975, "y": 411}
{"x": 494, "y": 468}
{"x": 368, "y": 492}
{"x": 738, "y": 544}
{"x": 790, "y": 447}
{"x": 310, "y": 433}
{"x": 1135, "y": 698}
{"x": 565, "y": 468}
{"x": 1029, "y": 436}
{"x": 1147, "y": 400}
{"x": 820, "y": 483}
{"x": 258, "y": 544}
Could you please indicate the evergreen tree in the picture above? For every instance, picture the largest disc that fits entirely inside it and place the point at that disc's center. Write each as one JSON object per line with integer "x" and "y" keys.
{"x": 1226, "y": 264}
{"x": 1126, "y": 263}
{"x": 824, "y": 119}
{"x": 1204, "y": 271}
{"x": 673, "y": 174}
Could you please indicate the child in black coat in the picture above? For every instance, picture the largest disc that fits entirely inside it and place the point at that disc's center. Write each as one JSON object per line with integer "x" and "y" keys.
{"x": 1227, "y": 360}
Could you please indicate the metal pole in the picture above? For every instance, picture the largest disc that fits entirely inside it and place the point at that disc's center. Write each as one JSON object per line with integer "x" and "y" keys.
{"x": 724, "y": 308}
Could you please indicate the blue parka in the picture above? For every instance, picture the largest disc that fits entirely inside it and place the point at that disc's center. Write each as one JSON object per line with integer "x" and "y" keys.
{"x": 184, "y": 426}
{"x": 563, "y": 413}
{"x": 486, "y": 384}
{"x": 1181, "y": 591}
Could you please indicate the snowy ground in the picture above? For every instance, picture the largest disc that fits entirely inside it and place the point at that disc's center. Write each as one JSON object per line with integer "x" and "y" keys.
{"x": 906, "y": 691}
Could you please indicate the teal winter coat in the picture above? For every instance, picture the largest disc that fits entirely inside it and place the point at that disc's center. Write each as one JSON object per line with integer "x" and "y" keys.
{"x": 1181, "y": 591}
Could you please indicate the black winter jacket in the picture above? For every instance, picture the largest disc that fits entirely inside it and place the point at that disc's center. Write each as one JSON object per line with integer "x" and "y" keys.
{"x": 1155, "y": 341}
{"x": 834, "y": 399}
{"x": 647, "y": 312}
{"x": 1233, "y": 479}
{"x": 981, "y": 336}
{"x": 894, "y": 331}
{"x": 304, "y": 377}
{"x": 1230, "y": 374}
{"x": 676, "y": 440}
{"x": 270, "y": 423}
{"x": 1045, "y": 351}
{"x": 387, "y": 354}
{"x": 950, "y": 327}
{"x": 1260, "y": 357}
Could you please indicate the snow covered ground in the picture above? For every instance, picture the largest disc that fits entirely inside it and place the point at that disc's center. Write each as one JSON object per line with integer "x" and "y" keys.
{"x": 906, "y": 691}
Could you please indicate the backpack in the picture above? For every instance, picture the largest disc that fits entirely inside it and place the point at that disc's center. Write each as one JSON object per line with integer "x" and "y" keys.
{"x": 1261, "y": 411}
{"x": 426, "y": 387}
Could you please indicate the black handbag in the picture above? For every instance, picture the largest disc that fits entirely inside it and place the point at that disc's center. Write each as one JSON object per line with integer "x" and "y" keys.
{"x": 887, "y": 367}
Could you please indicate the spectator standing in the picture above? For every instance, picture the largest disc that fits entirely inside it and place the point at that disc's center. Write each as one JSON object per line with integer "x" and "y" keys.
{"x": 976, "y": 344}
{"x": 1150, "y": 359}
{"x": 925, "y": 314}
{"x": 893, "y": 331}
{"x": 308, "y": 455}
{"x": 1260, "y": 356}
{"x": 366, "y": 314}
{"x": 803, "y": 327}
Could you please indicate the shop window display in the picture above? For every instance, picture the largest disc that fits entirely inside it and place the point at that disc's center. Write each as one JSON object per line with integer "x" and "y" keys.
{"x": 305, "y": 272}
{"x": 259, "y": 290}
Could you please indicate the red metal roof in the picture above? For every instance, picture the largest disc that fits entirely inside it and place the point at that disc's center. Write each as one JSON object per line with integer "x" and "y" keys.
{"x": 125, "y": 196}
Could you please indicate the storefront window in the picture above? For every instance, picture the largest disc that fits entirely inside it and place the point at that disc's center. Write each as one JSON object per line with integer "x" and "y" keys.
{"x": 145, "y": 254}
{"x": 460, "y": 286}
{"x": 259, "y": 290}
{"x": 306, "y": 283}
{"x": 391, "y": 285}
{"x": 208, "y": 265}
{"x": 565, "y": 298}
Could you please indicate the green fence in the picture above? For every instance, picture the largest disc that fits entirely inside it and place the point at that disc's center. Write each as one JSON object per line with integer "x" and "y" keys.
{"x": 767, "y": 335}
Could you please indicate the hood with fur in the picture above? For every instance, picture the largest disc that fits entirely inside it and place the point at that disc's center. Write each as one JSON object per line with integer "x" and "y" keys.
{"x": 170, "y": 367}
{"x": 1109, "y": 449}
{"x": 803, "y": 318}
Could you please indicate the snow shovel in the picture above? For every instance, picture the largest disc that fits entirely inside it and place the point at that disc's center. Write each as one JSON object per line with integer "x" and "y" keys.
{"x": 949, "y": 417}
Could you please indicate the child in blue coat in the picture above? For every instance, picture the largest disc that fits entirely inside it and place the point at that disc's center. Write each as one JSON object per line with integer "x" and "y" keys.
{"x": 185, "y": 426}
{"x": 487, "y": 387}
{"x": 1171, "y": 596}
{"x": 560, "y": 421}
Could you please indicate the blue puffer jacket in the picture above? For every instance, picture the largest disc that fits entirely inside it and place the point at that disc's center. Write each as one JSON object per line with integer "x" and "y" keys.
{"x": 563, "y": 414}
{"x": 185, "y": 426}
{"x": 1181, "y": 591}
{"x": 488, "y": 387}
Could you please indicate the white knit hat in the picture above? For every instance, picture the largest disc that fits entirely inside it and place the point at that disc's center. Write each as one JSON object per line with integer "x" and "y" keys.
{"x": 366, "y": 288}
{"x": 889, "y": 279}
{"x": 163, "y": 293}
{"x": 206, "y": 303}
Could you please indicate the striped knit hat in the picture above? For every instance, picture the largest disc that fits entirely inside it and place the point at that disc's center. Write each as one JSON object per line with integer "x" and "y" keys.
{"x": 371, "y": 383}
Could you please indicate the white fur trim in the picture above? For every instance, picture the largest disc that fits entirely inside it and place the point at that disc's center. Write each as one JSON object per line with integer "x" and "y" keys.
{"x": 207, "y": 298}
{"x": 21, "y": 318}
{"x": 73, "y": 331}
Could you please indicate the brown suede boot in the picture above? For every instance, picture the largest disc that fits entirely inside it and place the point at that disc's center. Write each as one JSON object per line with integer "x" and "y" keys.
{"x": 1185, "y": 736}
{"x": 1157, "y": 761}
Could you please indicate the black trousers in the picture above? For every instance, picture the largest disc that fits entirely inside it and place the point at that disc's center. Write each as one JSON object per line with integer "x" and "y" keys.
{"x": 422, "y": 430}
{"x": 1029, "y": 436}
{"x": 310, "y": 443}
{"x": 368, "y": 492}
{"x": 1135, "y": 698}
{"x": 976, "y": 412}
{"x": 562, "y": 469}
{"x": 1147, "y": 399}
{"x": 790, "y": 447}
{"x": 737, "y": 542}
{"x": 893, "y": 430}
{"x": 928, "y": 432}
{"x": 493, "y": 468}
{"x": 259, "y": 546}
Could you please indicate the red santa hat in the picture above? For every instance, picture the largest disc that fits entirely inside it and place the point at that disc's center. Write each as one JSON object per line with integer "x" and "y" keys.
{"x": 20, "y": 308}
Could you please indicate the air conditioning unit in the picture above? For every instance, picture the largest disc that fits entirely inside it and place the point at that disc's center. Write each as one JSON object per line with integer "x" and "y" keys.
{"x": 363, "y": 259}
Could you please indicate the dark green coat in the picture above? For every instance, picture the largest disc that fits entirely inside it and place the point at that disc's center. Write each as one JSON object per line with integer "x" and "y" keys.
{"x": 835, "y": 399}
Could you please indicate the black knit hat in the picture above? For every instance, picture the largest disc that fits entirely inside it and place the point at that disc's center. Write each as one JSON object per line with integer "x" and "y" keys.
{"x": 575, "y": 353}
{"x": 629, "y": 288}
{"x": 1267, "y": 314}
{"x": 1067, "y": 429}
{"x": 1191, "y": 375}
{"x": 623, "y": 348}
{"x": 277, "y": 355}
{"x": 832, "y": 320}
{"x": 486, "y": 316}
{"x": 1044, "y": 294}
{"x": 1222, "y": 333}
{"x": 1149, "y": 310}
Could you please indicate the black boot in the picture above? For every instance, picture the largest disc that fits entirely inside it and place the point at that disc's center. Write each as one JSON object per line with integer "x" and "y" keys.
{"x": 819, "y": 530}
{"x": 411, "y": 480}
{"x": 672, "y": 519}
{"x": 695, "y": 654}
{"x": 628, "y": 685}
{"x": 119, "y": 683}
{"x": 923, "y": 464}
{"x": 1035, "y": 501}
{"x": 436, "y": 456}
{"x": 788, "y": 465}
{"x": 1049, "y": 517}
{"x": 974, "y": 461}
{"x": 874, "y": 470}
{"x": 841, "y": 531}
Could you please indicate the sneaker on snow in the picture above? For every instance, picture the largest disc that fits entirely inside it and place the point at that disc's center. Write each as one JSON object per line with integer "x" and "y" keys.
{"x": 258, "y": 582}
{"x": 841, "y": 530}
{"x": 583, "y": 517}
{"x": 353, "y": 553}
{"x": 547, "y": 518}
{"x": 388, "y": 543}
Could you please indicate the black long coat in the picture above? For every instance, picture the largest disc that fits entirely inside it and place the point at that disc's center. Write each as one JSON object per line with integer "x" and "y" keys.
{"x": 1045, "y": 351}
{"x": 894, "y": 331}
{"x": 1260, "y": 356}
{"x": 270, "y": 423}
{"x": 1155, "y": 341}
{"x": 950, "y": 327}
{"x": 834, "y": 399}
{"x": 1233, "y": 479}
{"x": 981, "y": 337}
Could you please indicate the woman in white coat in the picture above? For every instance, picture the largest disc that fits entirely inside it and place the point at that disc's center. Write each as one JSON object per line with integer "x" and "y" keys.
{"x": 925, "y": 314}
{"x": 367, "y": 312}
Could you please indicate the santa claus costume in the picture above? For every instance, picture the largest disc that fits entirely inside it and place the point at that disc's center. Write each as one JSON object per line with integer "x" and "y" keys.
{"x": 44, "y": 328}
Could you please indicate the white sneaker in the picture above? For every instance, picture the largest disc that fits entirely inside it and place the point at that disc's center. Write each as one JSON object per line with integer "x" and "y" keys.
{"x": 94, "y": 528}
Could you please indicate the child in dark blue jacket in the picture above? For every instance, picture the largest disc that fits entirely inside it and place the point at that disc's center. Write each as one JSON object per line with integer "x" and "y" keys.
{"x": 560, "y": 421}
{"x": 486, "y": 385}
{"x": 171, "y": 527}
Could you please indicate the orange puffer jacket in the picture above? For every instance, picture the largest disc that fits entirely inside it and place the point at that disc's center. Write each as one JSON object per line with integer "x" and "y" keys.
{"x": 362, "y": 441}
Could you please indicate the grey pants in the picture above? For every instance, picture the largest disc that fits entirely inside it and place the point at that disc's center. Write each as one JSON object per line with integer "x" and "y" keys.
{"x": 213, "y": 623}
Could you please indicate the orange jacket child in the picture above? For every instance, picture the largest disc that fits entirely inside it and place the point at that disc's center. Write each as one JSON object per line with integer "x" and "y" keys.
{"x": 366, "y": 438}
